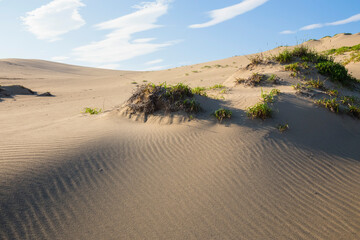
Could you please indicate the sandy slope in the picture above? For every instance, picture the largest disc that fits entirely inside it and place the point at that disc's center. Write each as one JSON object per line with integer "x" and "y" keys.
{"x": 66, "y": 175}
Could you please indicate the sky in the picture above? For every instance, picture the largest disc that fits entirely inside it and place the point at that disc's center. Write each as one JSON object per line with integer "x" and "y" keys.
{"x": 160, "y": 34}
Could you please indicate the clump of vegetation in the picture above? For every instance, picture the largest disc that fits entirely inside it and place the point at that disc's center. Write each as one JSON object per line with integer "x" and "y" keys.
{"x": 316, "y": 84}
{"x": 331, "y": 104}
{"x": 284, "y": 57}
{"x": 149, "y": 98}
{"x": 222, "y": 113}
{"x": 217, "y": 86}
{"x": 191, "y": 105}
{"x": 342, "y": 50}
{"x": 133, "y": 82}
{"x": 354, "y": 57}
{"x": 92, "y": 111}
{"x": 283, "y": 127}
{"x": 273, "y": 79}
{"x": 336, "y": 72}
{"x": 323, "y": 63}
{"x": 253, "y": 80}
{"x": 199, "y": 91}
{"x": 206, "y": 66}
{"x": 269, "y": 97}
{"x": 354, "y": 111}
{"x": 332, "y": 92}
{"x": 349, "y": 100}
{"x": 260, "y": 110}
{"x": 256, "y": 59}
{"x": 294, "y": 67}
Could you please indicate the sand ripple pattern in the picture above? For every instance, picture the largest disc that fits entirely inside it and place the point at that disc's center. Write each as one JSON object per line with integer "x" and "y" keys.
{"x": 187, "y": 182}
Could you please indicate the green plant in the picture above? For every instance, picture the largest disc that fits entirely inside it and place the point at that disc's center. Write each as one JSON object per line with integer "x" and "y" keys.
{"x": 293, "y": 74}
{"x": 144, "y": 81}
{"x": 191, "y": 105}
{"x": 222, "y": 113}
{"x": 283, "y": 127}
{"x": 206, "y": 66}
{"x": 92, "y": 111}
{"x": 354, "y": 111}
{"x": 349, "y": 100}
{"x": 332, "y": 92}
{"x": 269, "y": 97}
{"x": 316, "y": 84}
{"x": 133, "y": 82}
{"x": 298, "y": 86}
{"x": 294, "y": 67}
{"x": 305, "y": 65}
{"x": 336, "y": 72}
{"x": 273, "y": 78}
{"x": 259, "y": 110}
{"x": 284, "y": 57}
{"x": 195, "y": 71}
{"x": 330, "y": 104}
{"x": 199, "y": 91}
{"x": 186, "y": 74}
{"x": 217, "y": 86}
{"x": 223, "y": 91}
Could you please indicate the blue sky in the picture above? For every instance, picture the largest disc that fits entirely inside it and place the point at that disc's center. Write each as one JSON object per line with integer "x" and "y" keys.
{"x": 159, "y": 34}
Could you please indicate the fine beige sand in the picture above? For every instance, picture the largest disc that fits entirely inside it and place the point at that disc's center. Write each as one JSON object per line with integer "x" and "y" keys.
{"x": 68, "y": 175}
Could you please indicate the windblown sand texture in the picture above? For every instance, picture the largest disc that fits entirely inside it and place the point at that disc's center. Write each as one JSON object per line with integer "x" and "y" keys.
{"x": 68, "y": 175}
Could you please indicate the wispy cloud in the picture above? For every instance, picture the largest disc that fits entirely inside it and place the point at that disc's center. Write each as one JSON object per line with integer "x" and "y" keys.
{"x": 119, "y": 44}
{"x": 54, "y": 19}
{"x": 288, "y": 32}
{"x": 224, "y": 14}
{"x": 351, "y": 19}
{"x": 154, "y": 62}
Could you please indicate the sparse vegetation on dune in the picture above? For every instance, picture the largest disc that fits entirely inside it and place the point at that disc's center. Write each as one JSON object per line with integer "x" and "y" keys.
{"x": 199, "y": 91}
{"x": 316, "y": 84}
{"x": 294, "y": 67}
{"x": 283, "y": 127}
{"x": 149, "y": 98}
{"x": 92, "y": 111}
{"x": 323, "y": 63}
{"x": 222, "y": 114}
{"x": 217, "y": 86}
{"x": 331, "y": 104}
{"x": 269, "y": 97}
{"x": 260, "y": 110}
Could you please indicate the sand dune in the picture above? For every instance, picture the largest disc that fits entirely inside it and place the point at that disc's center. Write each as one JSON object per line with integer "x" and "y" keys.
{"x": 68, "y": 175}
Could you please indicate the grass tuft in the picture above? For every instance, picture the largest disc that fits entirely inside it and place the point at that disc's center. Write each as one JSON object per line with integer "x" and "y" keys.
{"x": 283, "y": 127}
{"x": 294, "y": 67}
{"x": 260, "y": 110}
{"x": 331, "y": 104}
{"x": 222, "y": 113}
{"x": 92, "y": 111}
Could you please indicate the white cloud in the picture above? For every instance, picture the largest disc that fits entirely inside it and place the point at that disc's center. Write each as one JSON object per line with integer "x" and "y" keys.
{"x": 224, "y": 14}
{"x": 312, "y": 26}
{"x": 287, "y": 32}
{"x": 118, "y": 45}
{"x": 154, "y": 62}
{"x": 351, "y": 19}
{"x": 56, "y": 18}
